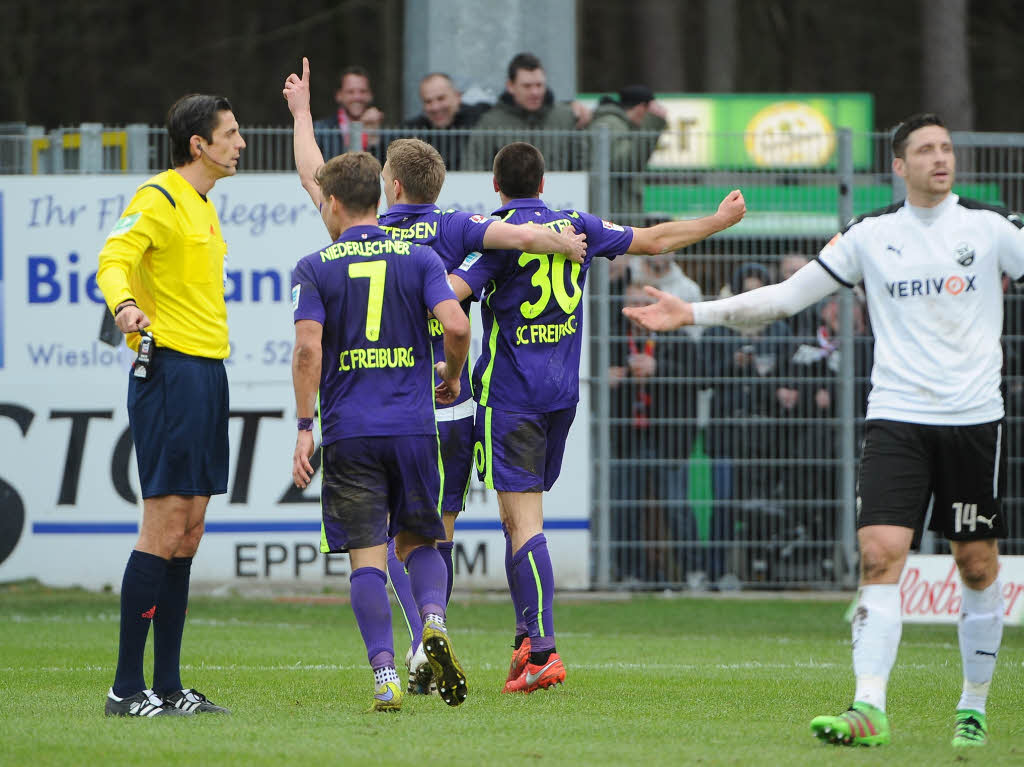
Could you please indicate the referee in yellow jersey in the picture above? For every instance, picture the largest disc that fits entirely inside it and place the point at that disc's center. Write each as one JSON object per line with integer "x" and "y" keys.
{"x": 161, "y": 270}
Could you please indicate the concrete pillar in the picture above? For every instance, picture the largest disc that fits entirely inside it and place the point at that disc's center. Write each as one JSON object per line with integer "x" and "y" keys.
{"x": 473, "y": 41}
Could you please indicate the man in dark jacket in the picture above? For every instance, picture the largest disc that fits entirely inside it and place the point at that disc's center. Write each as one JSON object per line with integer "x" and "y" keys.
{"x": 445, "y": 119}
{"x": 527, "y": 106}
{"x": 634, "y": 121}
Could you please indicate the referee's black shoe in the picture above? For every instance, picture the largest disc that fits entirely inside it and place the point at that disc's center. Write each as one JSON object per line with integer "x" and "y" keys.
{"x": 193, "y": 702}
{"x": 145, "y": 704}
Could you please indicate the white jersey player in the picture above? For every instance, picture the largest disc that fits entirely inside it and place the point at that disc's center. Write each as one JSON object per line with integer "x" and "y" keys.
{"x": 932, "y": 270}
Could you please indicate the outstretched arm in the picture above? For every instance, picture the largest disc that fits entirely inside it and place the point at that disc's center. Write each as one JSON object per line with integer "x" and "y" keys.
{"x": 531, "y": 238}
{"x": 753, "y": 309}
{"x": 673, "y": 235}
{"x": 308, "y": 158}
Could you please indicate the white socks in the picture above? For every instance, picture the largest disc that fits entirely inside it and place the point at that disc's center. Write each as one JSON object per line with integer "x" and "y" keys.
{"x": 385, "y": 674}
{"x": 877, "y": 626}
{"x": 981, "y": 632}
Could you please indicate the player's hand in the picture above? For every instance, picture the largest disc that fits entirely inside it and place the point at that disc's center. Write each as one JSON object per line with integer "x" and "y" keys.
{"x": 732, "y": 209}
{"x": 296, "y": 90}
{"x": 302, "y": 469}
{"x": 446, "y": 392}
{"x": 575, "y": 247}
{"x": 131, "y": 319}
{"x": 668, "y": 312}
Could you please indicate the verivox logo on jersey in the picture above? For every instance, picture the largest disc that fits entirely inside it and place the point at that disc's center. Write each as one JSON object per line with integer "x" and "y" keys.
{"x": 953, "y": 285}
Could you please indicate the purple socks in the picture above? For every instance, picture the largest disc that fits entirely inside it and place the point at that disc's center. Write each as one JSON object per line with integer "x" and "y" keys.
{"x": 532, "y": 582}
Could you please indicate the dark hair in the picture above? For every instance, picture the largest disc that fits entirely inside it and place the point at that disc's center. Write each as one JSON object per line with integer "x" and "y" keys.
{"x": 355, "y": 69}
{"x": 196, "y": 114}
{"x": 353, "y": 179}
{"x": 902, "y": 131}
{"x": 526, "y": 61}
{"x": 418, "y": 166}
{"x": 519, "y": 169}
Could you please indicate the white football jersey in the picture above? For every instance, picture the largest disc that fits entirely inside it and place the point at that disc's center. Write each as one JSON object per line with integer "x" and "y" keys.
{"x": 933, "y": 280}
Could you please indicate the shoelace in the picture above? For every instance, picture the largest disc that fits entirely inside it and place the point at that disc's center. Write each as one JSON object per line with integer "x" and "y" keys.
{"x": 154, "y": 699}
{"x": 194, "y": 696}
{"x": 969, "y": 728}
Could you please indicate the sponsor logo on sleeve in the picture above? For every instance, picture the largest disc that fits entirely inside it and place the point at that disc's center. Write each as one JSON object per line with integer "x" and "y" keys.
{"x": 125, "y": 224}
{"x": 610, "y": 225}
{"x": 476, "y": 218}
{"x": 295, "y": 297}
{"x": 471, "y": 259}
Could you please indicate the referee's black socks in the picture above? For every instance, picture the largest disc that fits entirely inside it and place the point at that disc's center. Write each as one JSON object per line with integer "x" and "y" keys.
{"x": 168, "y": 625}
{"x": 143, "y": 580}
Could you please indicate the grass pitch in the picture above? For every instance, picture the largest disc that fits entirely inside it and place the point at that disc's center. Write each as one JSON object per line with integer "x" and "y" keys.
{"x": 651, "y": 681}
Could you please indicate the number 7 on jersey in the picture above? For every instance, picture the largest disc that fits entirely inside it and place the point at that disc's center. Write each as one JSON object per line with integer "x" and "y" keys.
{"x": 375, "y": 271}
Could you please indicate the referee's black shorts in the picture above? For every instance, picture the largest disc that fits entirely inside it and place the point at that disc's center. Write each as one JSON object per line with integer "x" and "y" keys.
{"x": 179, "y": 422}
{"x": 904, "y": 464}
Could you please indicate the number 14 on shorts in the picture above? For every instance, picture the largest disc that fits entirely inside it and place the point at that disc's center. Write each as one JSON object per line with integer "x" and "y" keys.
{"x": 966, "y": 517}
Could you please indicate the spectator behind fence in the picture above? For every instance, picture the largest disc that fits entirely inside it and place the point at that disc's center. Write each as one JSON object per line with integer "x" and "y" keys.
{"x": 803, "y": 324}
{"x": 749, "y": 369}
{"x": 646, "y": 392}
{"x": 529, "y": 105}
{"x": 443, "y": 110}
{"x": 633, "y": 122}
{"x": 816, "y": 364}
{"x": 354, "y": 99}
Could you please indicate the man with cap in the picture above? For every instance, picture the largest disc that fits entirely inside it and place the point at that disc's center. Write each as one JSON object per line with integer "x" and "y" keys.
{"x": 634, "y": 122}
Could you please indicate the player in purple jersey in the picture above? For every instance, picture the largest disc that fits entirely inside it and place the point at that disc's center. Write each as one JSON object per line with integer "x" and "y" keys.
{"x": 526, "y": 383}
{"x": 361, "y": 342}
{"x": 413, "y": 176}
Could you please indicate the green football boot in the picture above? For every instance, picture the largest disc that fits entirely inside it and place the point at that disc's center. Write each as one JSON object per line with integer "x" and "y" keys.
{"x": 861, "y": 725}
{"x": 971, "y": 728}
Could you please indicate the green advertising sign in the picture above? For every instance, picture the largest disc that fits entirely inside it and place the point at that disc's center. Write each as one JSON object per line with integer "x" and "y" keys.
{"x": 762, "y": 130}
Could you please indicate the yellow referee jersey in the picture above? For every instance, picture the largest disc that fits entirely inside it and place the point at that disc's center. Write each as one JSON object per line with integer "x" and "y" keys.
{"x": 167, "y": 253}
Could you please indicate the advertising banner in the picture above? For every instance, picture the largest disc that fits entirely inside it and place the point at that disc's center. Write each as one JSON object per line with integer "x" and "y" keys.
{"x": 68, "y": 483}
{"x": 931, "y": 590}
{"x": 759, "y": 130}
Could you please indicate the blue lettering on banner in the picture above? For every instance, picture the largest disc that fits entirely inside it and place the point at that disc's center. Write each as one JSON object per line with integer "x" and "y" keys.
{"x": 50, "y": 281}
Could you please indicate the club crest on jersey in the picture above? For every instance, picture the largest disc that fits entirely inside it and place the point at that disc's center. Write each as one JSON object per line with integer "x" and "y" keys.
{"x": 964, "y": 254}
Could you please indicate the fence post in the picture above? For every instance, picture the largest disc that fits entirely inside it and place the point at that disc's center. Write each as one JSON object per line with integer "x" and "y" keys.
{"x": 56, "y": 151}
{"x": 30, "y": 158}
{"x": 90, "y": 148}
{"x": 847, "y": 450}
{"x": 601, "y": 176}
{"x": 137, "y": 135}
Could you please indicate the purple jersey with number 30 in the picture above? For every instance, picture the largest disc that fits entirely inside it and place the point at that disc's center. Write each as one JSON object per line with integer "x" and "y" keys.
{"x": 372, "y": 294}
{"x": 532, "y": 311}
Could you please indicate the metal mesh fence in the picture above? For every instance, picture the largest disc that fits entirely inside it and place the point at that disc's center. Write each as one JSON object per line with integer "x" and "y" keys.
{"x": 720, "y": 458}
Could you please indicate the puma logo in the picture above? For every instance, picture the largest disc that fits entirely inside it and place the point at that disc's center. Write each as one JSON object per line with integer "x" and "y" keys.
{"x": 987, "y": 520}
{"x": 984, "y": 652}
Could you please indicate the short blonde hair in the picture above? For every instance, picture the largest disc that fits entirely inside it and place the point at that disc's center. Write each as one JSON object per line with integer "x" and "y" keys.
{"x": 418, "y": 166}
